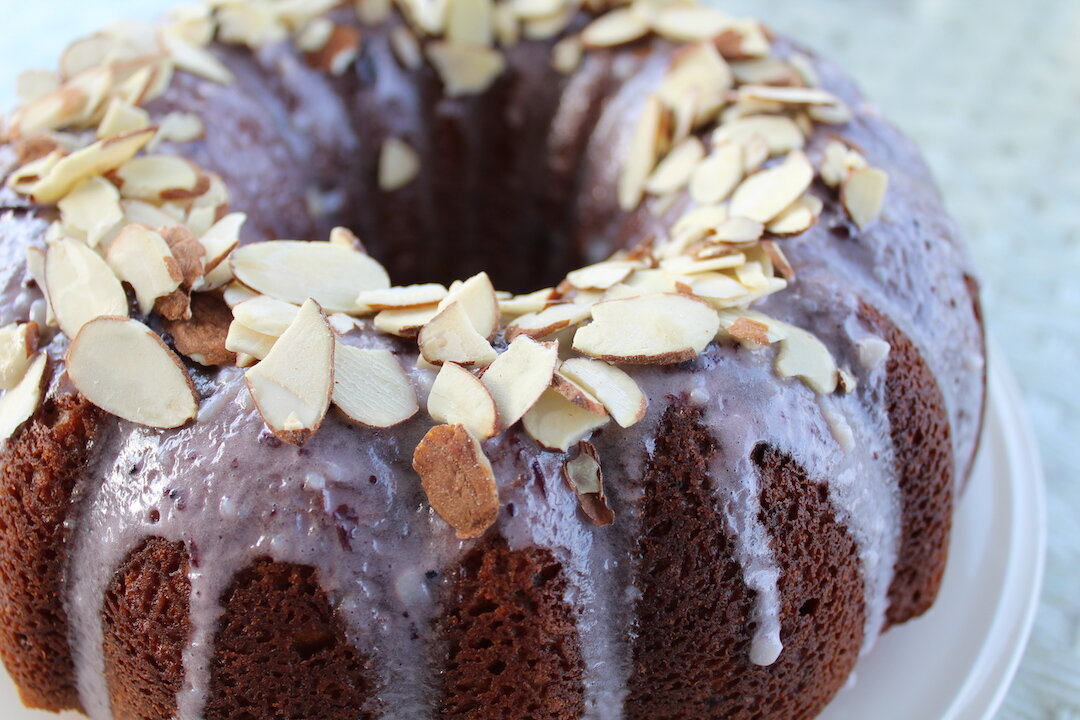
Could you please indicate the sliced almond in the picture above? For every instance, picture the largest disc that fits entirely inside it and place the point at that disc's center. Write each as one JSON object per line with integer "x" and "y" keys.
{"x": 656, "y": 329}
{"x": 371, "y": 387}
{"x": 243, "y": 341}
{"x": 465, "y": 69}
{"x": 156, "y": 178}
{"x": 715, "y": 178}
{"x": 178, "y": 127}
{"x": 457, "y": 479}
{"x": 675, "y": 170}
{"x": 92, "y": 209}
{"x": 141, "y": 257}
{"x": 690, "y": 24}
{"x": 18, "y": 343}
{"x": 778, "y": 258}
{"x": 339, "y": 51}
{"x": 557, "y": 424}
{"x": 194, "y": 59}
{"x": 566, "y": 55}
{"x": 399, "y": 165}
{"x": 401, "y": 297}
{"x": 404, "y": 323}
{"x": 125, "y": 369}
{"x": 477, "y": 297}
{"x": 532, "y": 302}
{"x": 295, "y": 271}
{"x": 406, "y": 48}
{"x": 751, "y": 328}
{"x": 766, "y": 194}
{"x": 737, "y": 230}
{"x": 19, "y": 403}
{"x": 718, "y": 289}
{"x": 585, "y": 477}
{"x": 121, "y": 117}
{"x": 458, "y": 397}
{"x": 548, "y": 321}
{"x": 642, "y": 154}
{"x": 685, "y": 265}
{"x": 266, "y": 315}
{"x": 35, "y": 83}
{"x": 795, "y": 220}
{"x": 95, "y": 159}
{"x": 696, "y": 86}
{"x": 616, "y": 27}
{"x": 518, "y": 377}
{"x": 203, "y": 336}
{"x": 601, "y": 276}
{"x": 80, "y": 286}
{"x": 863, "y": 195}
{"x": 235, "y": 293}
{"x": 470, "y": 22}
{"x": 618, "y": 392}
{"x": 221, "y": 239}
{"x": 346, "y": 238}
{"x": 804, "y": 356}
{"x": 788, "y": 95}
{"x": 293, "y": 384}
{"x": 695, "y": 225}
{"x": 451, "y": 337}
{"x": 780, "y": 133}
{"x": 578, "y": 395}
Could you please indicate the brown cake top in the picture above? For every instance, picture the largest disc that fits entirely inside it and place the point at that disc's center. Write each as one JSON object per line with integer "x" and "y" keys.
{"x": 147, "y": 233}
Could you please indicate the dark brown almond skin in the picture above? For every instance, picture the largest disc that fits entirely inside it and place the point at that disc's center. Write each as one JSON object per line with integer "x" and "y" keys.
{"x": 695, "y": 627}
{"x": 146, "y": 628}
{"x": 922, "y": 441}
{"x": 281, "y": 652}
{"x": 39, "y": 469}
{"x": 511, "y": 641}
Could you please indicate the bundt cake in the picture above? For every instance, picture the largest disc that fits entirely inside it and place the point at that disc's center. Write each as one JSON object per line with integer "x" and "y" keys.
{"x": 694, "y": 475}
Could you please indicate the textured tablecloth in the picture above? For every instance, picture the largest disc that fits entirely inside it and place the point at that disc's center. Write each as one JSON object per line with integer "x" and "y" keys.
{"x": 991, "y": 89}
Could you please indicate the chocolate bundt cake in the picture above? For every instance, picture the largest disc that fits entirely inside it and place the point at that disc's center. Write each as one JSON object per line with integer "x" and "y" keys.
{"x": 694, "y": 475}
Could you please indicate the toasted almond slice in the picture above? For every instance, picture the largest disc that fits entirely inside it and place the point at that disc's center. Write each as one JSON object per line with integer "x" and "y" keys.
{"x": 602, "y": 275}
{"x": 92, "y": 208}
{"x": 451, "y": 337}
{"x": 401, "y": 297}
{"x": 470, "y": 22}
{"x": 781, "y": 134}
{"x": 618, "y": 392}
{"x": 236, "y": 293}
{"x": 121, "y": 117}
{"x": 344, "y": 324}
{"x": 465, "y": 69}
{"x": 696, "y": 85}
{"x": 766, "y": 194}
{"x": 266, "y": 315}
{"x": 194, "y": 59}
{"x": 293, "y": 384}
{"x": 690, "y": 24}
{"x": 548, "y": 321}
{"x": 51, "y": 111}
{"x": 642, "y": 154}
{"x": 533, "y": 9}
{"x": 751, "y": 328}
{"x": 694, "y": 226}
{"x": 737, "y": 230}
{"x": 125, "y": 369}
{"x": 156, "y": 178}
{"x": 656, "y": 329}
{"x": 405, "y": 323}
{"x": 399, "y": 165}
{"x": 204, "y": 335}
{"x": 718, "y": 289}
{"x": 717, "y": 176}
{"x": 458, "y": 397}
{"x": 18, "y": 343}
{"x": 80, "y": 286}
{"x": 346, "y": 238}
{"x": 684, "y": 265}
{"x": 371, "y": 388}
{"x": 578, "y": 395}
{"x": 674, "y": 171}
{"x": 294, "y": 271}
{"x": 649, "y": 282}
{"x": 566, "y": 55}
{"x": 585, "y": 477}
{"x": 778, "y": 258}
{"x": 457, "y": 479}
{"x": 95, "y": 159}
{"x": 834, "y": 167}
{"x": 242, "y": 340}
{"x": 518, "y": 377}
{"x": 141, "y": 257}
{"x": 221, "y": 239}
{"x": 406, "y": 48}
{"x": 788, "y": 95}
{"x": 766, "y": 71}
{"x": 616, "y": 27}
{"x": 20, "y": 401}
{"x": 863, "y": 195}
{"x": 477, "y": 297}
{"x": 804, "y": 356}
{"x": 533, "y": 302}
{"x": 557, "y": 424}
{"x": 795, "y": 220}
{"x": 26, "y": 177}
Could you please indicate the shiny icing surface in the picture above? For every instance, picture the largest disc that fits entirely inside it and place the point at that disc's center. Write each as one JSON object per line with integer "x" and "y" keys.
{"x": 348, "y": 502}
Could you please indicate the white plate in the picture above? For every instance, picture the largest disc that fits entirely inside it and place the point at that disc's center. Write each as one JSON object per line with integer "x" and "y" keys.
{"x": 954, "y": 663}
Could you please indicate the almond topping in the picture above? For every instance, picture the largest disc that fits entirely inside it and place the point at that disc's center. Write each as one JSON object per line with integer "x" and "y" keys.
{"x": 95, "y": 159}
{"x": 458, "y": 397}
{"x": 371, "y": 388}
{"x": 465, "y": 69}
{"x": 243, "y": 341}
{"x": 339, "y": 52}
{"x": 295, "y": 271}
{"x": 451, "y": 337}
{"x": 518, "y": 377}
{"x": 718, "y": 175}
{"x": 557, "y": 424}
{"x": 659, "y": 329}
{"x": 863, "y": 195}
{"x": 618, "y": 392}
{"x": 406, "y": 48}
{"x": 80, "y": 286}
{"x": 780, "y": 133}
{"x": 266, "y": 315}
{"x": 577, "y": 395}
{"x": 617, "y": 27}
{"x": 20, "y": 402}
{"x": 401, "y": 297}
{"x": 457, "y": 479}
{"x": 469, "y": 22}
{"x": 120, "y": 117}
{"x": 293, "y": 384}
{"x": 221, "y": 239}
{"x": 532, "y": 302}
{"x": 194, "y": 59}
{"x": 675, "y": 170}
{"x": 586, "y": 479}
{"x": 690, "y": 24}
{"x": 125, "y": 369}
{"x": 566, "y": 55}
{"x": 203, "y": 336}
{"x": 477, "y": 297}
{"x": 92, "y": 209}
{"x": 804, "y": 356}
{"x": 156, "y": 178}
{"x": 766, "y": 194}
{"x": 642, "y": 154}
{"x": 398, "y": 165}
{"x": 18, "y": 343}
{"x": 548, "y": 321}
{"x": 405, "y": 323}
{"x": 141, "y": 257}
{"x": 795, "y": 220}
{"x": 602, "y": 275}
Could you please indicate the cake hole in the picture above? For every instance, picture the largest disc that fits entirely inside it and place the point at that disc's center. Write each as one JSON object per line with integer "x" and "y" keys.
{"x": 309, "y": 643}
{"x": 809, "y": 607}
